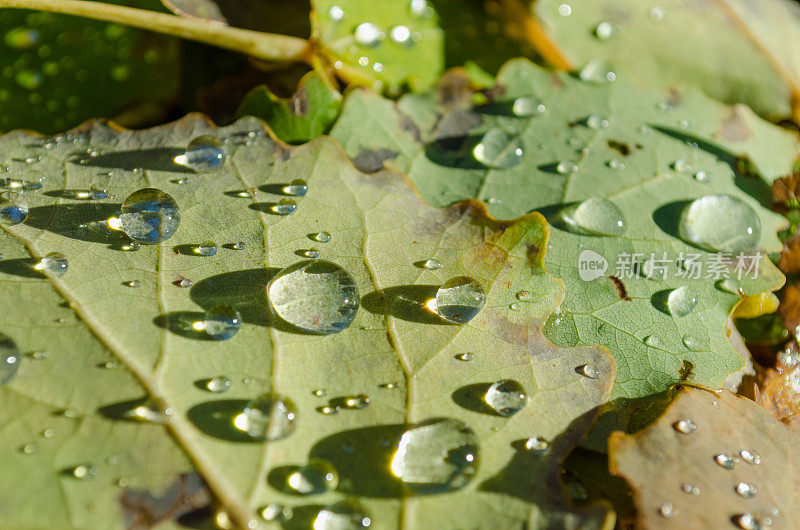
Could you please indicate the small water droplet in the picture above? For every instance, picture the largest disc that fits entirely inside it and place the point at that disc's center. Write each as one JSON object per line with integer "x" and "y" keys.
{"x": 459, "y": 299}
{"x": 133, "y": 246}
{"x": 615, "y": 163}
{"x": 514, "y": 306}
{"x": 564, "y": 10}
{"x": 499, "y": 149}
{"x": 436, "y": 455}
{"x": 667, "y": 510}
{"x": 222, "y": 322}
{"x": 149, "y": 216}
{"x": 317, "y": 296}
{"x": 218, "y": 384}
{"x": 747, "y": 521}
{"x": 690, "y": 489}
{"x": 344, "y": 515}
{"x": 275, "y": 512}
{"x": 596, "y": 121}
{"x": 208, "y": 248}
{"x": 132, "y": 283}
{"x": 318, "y": 476}
{"x": 13, "y": 210}
{"x": 48, "y": 433}
{"x": 466, "y": 357}
{"x": 743, "y": 489}
{"x": 565, "y": 167}
{"x": 684, "y": 426}
{"x": 53, "y": 264}
{"x": 322, "y": 237}
{"x": 751, "y": 457}
{"x": 726, "y": 461}
{"x": 506, "y": 397}
{"x": 368, "y": 34}
{"x": 284, "y": 207}
{"x": 297, "y": 188}
{"x": 720, "y": 223}
{"x": 595, "y": 216}
{"x": 267, "y": 417}
{"x": 524, "y": 296}
{"x": 336, "y": 13}
{"x": 320, "y": 392}
{"x": 432, "y": 264}
{"x": 84, "y": 472}
{"x": 653, "y": 340}
{"x": 730, "y": 285}
{"x": 9, "y": 359}
{"x": 597, "y": 71}
{"x": 38, "y": 355}
{"x": 389, "y": 386}
{"x": 537, "y": 445}
{"x": 588, "y": 370}
{"x": 657, "y": 13}
{"x": 702, "y": 176}
{"x": 527, "y": 106}
{"x": 682, "y": 301}
{"x": 204, "y": 154}
{"x": 604, "y": 30}
{"x": 239, "y": 245}
{"x": 329, "y": 410}
{"x": 356, "y": 402}
{"x": 401, "y": 35}
{"x": 29, "y": 449}
{"x": 693, "y": 343}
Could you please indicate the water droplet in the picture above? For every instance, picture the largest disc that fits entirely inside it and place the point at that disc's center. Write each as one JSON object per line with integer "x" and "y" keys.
{"x": 133, "y": 246}
{"x": 183, "y": 282}
{"x": 329, "y": 410}
{"x": 284, "y": 207}
{"x": 133, "y": 283}
{"x": 506, "y": 397}
{"x": 726, "y": 461}
{"x": 432, "y": 264}
{"x": 83, "y": 472}
{"x": 368, "y": 34}
{"x": 720, "y": 223}
{"x": 667, "y": 510}
{"x": 48, "y": 433}
{"x": 464, "y": 356}
{"x": 604, "y": 30}
{"x": 421, "y": 8}
{"x": 693, "y": 343}
{"x": 564, "y": 10}
{"x": 682, "y": 301}
{"x": 746, "y": 490}
{"x": 499, "y": 149}
{"x": 436, "y": 455}
{"x": 389, "y": 386}
{"x": 751, "y": 457}
{"x": 401, "y": 35}
{"x": 29, "y": 449}
{"x": 149, "y": 216}
{"x": 588, "y": 370}
{"x": 615, "y": 163}
{"x": 336, "y": 13}
{"x": 9, "y": 358}
{"x": 595, "y": 121}
{"x": 527, "y": 106}
{"x": 318, "y": 476}
{"x": 657, "y": 13}
{"x": 29, "y": 79}
{"x": 730, "y": 285}
{"x": 356, "y": 402}
{"x": 218, "y": 384}
{"x": 595, "y": 216}
{"x": 21, "y": 38}
{"x": 13, "y": 210}
{"x": 702, "y": 176}
{"x": 747, "y": 521}
{"x": 344, "y": 515}
{"x": 685, "y": 426}
{"x": 537, "y": 445}
{"x": 317, "y": 296}
{"x": 221, "y": 322}
{"x": 524, "y": 296}
{"x": 459, "y": 299}
{"x": 267, "y": 417}
{"x": 320, "y": 392}
{"x": 597, "y": 71}
{"x": 297, "y": 188}
{"x": 274, "y": 512}
{"x": 209, "y": 248}
{"x": 239, "y": 245}
{"x": 322, "y": 237}
{"x": 690, "y": 489}
{"x": 204, "y": 154}
{"x": 53, "y": 264}
{"x": 566, "y": 167}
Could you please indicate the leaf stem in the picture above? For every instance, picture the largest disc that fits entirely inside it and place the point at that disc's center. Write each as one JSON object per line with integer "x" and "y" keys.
{"x": 268, "y": 46}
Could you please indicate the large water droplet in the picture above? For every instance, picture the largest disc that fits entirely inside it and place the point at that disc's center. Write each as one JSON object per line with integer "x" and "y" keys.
{"x": 267, "y": 417}
{"x": 720, "y": 223}
{"x": 459, "y": 299}
{"x": 595, "y": 216}
{"x": 149, "y": 216}
{"x": 436, "y": 455}
{"x": 682, "y": 301}
{"x": 222, "y": 322}
{"x": 317, "y": 296}
{"x": 499, "y": 149}
{"x": 344, "y": 515}
{"x": 297, "y": 188}
{"x": 318, "y": 476}
{"x": 53, "y": 264}
{"x": 13, "y": 210}
{"x": 506, "y": 397}
{"x": 9, "y": 358}
{"x": 368, "y": 34}
{"x": 204, "y": 154}
{"x": 284, "y": 207}
{"x": 208, "y": 248}
{"x": 588, "y": 370}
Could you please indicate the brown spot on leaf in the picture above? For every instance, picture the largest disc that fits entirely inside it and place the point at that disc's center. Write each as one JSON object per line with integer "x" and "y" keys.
{"x": 686, "y": 370}
{"x": 734, "y": 128}
{"x": 674, "y": 96}
{"x": 141, "y": 509}
{"x": 790, "y": 256}
{"x": 620, "y": 147}
{"x": 786, "y": 189}
{"x": 622, "y": 292}
{"x": 455, "y": 88}
{"x": 779, "y": 392}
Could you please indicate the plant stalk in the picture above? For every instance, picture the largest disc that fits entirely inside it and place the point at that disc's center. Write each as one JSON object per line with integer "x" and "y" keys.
{"x": 267, "y": 46}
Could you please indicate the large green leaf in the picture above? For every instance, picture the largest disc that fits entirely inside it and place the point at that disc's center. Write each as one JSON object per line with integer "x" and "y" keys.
{"x": 380, "y": 231}
{"x": 386, "y": 44}
{"x": 626, "y": 143}
{"x": 713, "y": 460}
{"x": 735, "y": 50}
{"x": 55, "y": 68}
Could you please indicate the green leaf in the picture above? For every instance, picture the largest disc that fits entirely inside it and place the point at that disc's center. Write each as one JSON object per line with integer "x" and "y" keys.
{"x": 412, "y": 56}
{"x": 56, "y": 67}
{"x": 432, "y": 137}
{"x": 309, "y": 113}
{"x": 734, "y": 50}
{"x": 380, "y": 231}
{"x": 660, "y": 461}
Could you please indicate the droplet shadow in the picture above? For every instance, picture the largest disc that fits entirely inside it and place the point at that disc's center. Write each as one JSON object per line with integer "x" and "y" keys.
{"x": 454, "y": 151}
{"x": 81, "y": 221}
{"x": 157, "y": 159}
{"x": 122, "y": 410}
{"x": 659, "y": 300}
{"x": 406, "y": 302}
{"x": 667, "y": 217}
{"x": 278, "y": 478}
{"x": 22, "y": 267}
{"x": 215, "y": 418}
{"x": 471, "y": 397}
